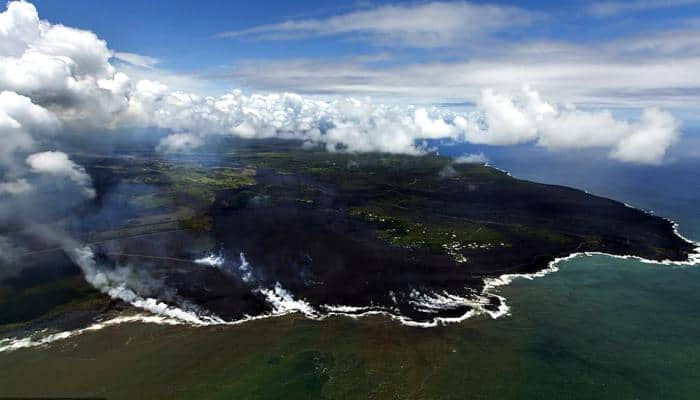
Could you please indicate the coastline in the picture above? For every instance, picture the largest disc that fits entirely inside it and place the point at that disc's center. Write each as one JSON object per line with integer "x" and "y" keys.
{"x": 283, "y": 303}
{"x": 491, "y": 285}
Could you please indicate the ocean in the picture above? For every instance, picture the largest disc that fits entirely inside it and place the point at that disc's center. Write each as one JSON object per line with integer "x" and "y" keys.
{"x": 599, "y": 328}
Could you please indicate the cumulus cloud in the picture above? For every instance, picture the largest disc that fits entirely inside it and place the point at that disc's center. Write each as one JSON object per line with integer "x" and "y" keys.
{"x": 344, "y": 124}
{"x": 63, "y": 69}
{"x": 19, "y": 25}
{"x": 179, "y": 142}
{"x": 526, "y": 117}
{"x": 649, "y": 139}
{"x": 360, "y": 125}
{"x": 58, "y": 164}
{"x": 55, "y": 76}
{"x": 20, "y": 121}
{"x": 473, "y": 158}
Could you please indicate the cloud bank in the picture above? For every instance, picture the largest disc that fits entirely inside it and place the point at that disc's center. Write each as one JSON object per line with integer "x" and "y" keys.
{"x": 528, "y": 118}
{"x": 56, "y": 79}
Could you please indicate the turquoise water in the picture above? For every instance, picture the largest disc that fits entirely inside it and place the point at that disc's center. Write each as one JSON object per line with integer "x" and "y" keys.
{"x": 605, "y": 328}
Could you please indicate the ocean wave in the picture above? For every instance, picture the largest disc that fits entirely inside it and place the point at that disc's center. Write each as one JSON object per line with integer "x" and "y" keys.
{"x": 283, "y": 302}
{"x": 491, "y": 284}
{"x": 42, "y": 338}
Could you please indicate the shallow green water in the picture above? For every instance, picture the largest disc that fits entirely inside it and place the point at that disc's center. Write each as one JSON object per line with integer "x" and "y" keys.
{"x": 600, "y": 328}
{"x": 610, "y": 328}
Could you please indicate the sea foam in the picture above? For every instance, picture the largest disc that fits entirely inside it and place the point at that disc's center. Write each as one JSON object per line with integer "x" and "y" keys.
{"x": 283, "y": 302}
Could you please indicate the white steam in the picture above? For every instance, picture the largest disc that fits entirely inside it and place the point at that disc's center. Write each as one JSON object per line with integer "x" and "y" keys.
{"x": 283, "y": 302}
{"x": 245, "y": 269}
{"x": 117, "y": 284}
{"x": 211, "y": 260}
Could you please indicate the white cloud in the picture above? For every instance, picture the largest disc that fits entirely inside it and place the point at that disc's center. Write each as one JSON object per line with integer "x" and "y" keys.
{"x": 346, "y": 124}
{"x": 434, "y": 24}
{"x": 513, "y": 119}
{"x": 649, "y": 139}
{"x": 611, "y": 8}
{"x": 32, "y": 117}
{"x": 63, "y": 75}
{"x": 20, "y": 121}
{"x": 596, "y": 77}
{"x": 363, "y": 126}
{"x": 473, "y": 158}
{"x": 19, "y": 25}
{"x": 58, "y": 164}
{"x": 179, "y": 142}
{"x": 431, "y": 128}
{"x": 681, "y": 43}
{"x": 137, "y": 60}
{"x": 507, "y": 122}
{"x": 15, "y": 187}
{"x": 60, "y": 68}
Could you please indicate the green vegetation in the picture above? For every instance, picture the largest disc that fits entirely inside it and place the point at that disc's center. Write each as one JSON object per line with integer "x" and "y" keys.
{"x": 455, "y": 240}
{"x": 197, "y": 222}
{"x": 183, "y": 184}
{"x": 202, "y": 183}
{"x": 549, "y": 235}
{"x": 350, "y": 166}
{"x": 151, "y": 200}
{"x": 189, "y": 187}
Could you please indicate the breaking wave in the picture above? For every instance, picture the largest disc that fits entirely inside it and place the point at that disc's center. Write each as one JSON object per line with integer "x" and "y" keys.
{"x": 283, "y": 302}
{"x": 114, "y": 283}
{"x": 42, "y": 338}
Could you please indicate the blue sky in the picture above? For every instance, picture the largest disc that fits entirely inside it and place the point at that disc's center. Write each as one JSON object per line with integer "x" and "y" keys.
{"x": 185, "y": 37}
{"x": 619, "y": 79}
{"x": 181, "y": 31}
